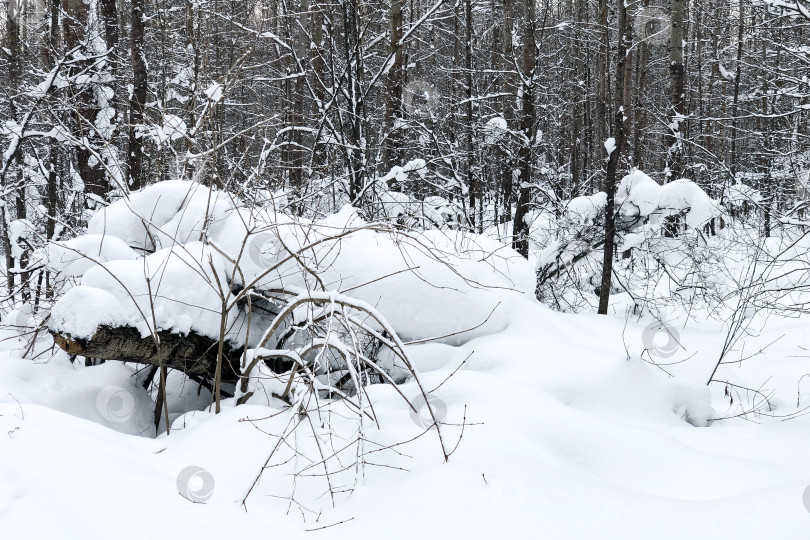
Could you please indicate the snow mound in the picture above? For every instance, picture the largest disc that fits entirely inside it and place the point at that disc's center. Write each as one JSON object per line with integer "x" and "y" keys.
{"x": 588, "y": 207}
{"x": 434, "y": 284}
{"x": 737, "y": 194}
{"x": 172, "y": 289}
{"x": 164, "y": 214}
{"x": 640, "y": 196}
{"x": 686, "y": 195}
{"x": 74, "y": 257}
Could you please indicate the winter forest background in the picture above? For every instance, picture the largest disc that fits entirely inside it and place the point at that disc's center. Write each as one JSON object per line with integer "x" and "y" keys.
{"x": 499, "y": 108}
{"x": 568, "y": 238}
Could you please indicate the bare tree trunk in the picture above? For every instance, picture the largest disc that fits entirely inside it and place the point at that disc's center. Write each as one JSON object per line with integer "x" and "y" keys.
{"x": 732, "y": 164}
{"x": 472, "y": 183}
{"x": 351, "y": 38}
{"x": 109, "y": 13}
{"x": 603, "y": 75}
{"x": 11, "y": 44}
{"x": 296, "y": 150}
{"x": 393, "y": 91}
{"x": 90, "y": 169}
{"x": 677, "y": 89}
{"x": 620, "y": 116}
{"x": 576, "y": 150}
{"x": 320, "y": 78}
{"x": 520, "y": 241}
{"x": 137, "y": 101}
{"x": 52, "y": 188}
{"x": 639, "y": 112}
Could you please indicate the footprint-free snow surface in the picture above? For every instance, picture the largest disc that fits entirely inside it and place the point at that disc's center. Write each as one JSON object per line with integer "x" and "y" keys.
{"x": 552, "y": 425}
{"x": 558, "y": 429}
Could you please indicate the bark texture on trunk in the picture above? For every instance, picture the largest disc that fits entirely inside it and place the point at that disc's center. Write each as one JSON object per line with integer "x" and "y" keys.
{"x": 619, "y": 130}
{"x": 520, "y": 241}
{"x": 137, "y": 101}
{"x": 193, "y": 354}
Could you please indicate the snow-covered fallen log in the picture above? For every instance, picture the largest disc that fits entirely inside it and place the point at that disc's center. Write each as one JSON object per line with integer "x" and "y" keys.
{"x": 217, "y": 269}
{"x": 193, "y": 354}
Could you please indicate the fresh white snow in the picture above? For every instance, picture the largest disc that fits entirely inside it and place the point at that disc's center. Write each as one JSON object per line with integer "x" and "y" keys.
{"x": 566, "y": 438}
{"x": 558, "y": 425}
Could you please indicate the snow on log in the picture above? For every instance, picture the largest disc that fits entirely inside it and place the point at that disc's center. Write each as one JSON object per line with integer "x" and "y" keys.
{"x": 202, "y": 248}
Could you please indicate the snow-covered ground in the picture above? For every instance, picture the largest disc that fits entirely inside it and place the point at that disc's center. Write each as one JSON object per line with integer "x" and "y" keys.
{"x": 567, "y": 434}
{"x": 556, "y": 425}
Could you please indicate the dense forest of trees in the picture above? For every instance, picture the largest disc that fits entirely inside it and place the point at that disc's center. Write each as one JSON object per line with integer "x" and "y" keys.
{"x": 322, "y": 210}
{"x": 485, "y": 110}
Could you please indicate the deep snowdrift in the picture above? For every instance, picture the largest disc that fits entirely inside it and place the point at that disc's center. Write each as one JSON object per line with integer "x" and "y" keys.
{"x": 566, "y": 438}
{"x": 436, "y": 283}
{"x": 560, "y": 426}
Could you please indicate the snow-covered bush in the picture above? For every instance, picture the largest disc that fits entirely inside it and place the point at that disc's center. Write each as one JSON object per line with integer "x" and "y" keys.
{"x": 397, "y": 199}
{"x": 568, "y": 241}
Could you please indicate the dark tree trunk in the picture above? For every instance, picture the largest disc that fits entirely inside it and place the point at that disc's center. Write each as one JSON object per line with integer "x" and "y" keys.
{"x": 394, "y": 88}
{"x": 90, "y": 168}
{"x": 520, "y": 241}
{"x": 620, "y": 117}
{"x": 137, "y": 101}
{"x": 732, "y": 164}
{"x": 469, "y": 142}
{"x": 110, "y": 15}
{"x": 192, "y": 354}
{"x": 296, "y": 149}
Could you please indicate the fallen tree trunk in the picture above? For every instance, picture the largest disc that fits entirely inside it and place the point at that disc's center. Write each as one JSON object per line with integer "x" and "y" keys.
{"x": 193, "y": 354}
